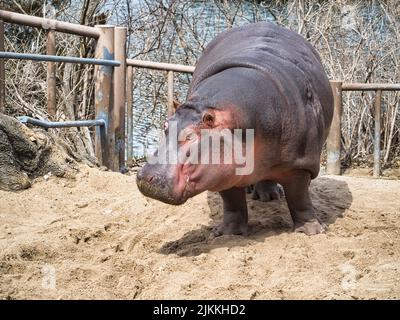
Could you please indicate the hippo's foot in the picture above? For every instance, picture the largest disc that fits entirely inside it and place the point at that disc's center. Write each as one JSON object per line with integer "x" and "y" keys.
{"x": 300, "y": 206}
{"x": 235, "y": 213}
{"x": 266, "y": 191}
{"x": 230, "y": 229}
{"x": 310, "y": 227}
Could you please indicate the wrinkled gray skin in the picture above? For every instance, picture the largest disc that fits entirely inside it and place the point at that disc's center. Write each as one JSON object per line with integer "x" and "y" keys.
{"x": 262, "y": 77}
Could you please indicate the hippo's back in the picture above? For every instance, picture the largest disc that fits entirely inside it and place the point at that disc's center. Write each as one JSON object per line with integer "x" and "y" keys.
{"x": 292, "y": 66}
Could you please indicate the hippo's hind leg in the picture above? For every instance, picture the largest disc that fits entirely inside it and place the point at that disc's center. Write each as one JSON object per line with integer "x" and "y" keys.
{"x": 300, "y": 205}
{"x": 266, "y": 190}
{"x": 235, "y": 212}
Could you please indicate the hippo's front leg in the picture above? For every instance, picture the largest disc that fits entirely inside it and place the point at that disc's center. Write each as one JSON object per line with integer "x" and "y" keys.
{"x": 300, "y": 206}
{"x": 235, "y": 212}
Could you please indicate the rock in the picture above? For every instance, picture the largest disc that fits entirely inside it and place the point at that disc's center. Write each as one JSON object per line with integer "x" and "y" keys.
{"x": 81, "y": 205}
{"x": 107, "y": 212}
{"x": 47, "y": 176}
{"x": 26, "y": 154}
{"x": 124, "y": 170}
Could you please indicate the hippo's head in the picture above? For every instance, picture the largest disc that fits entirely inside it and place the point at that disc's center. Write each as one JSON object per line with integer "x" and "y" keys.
{"x": 196, "y": 155}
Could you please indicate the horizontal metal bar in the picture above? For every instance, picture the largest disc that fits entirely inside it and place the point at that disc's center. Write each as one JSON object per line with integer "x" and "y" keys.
{"x": 370, "y": 86}
{"x": 160, "y": 66}
{"x": 65, "y": 124}
{"x": 42, "y": 57}
{"x": 60, "y": 26}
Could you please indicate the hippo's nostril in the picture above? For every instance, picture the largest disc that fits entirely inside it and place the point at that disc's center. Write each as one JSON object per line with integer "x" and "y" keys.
{"x": 150, "y": 179}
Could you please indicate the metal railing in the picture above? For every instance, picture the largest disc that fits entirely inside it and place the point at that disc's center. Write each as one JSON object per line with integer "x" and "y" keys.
{"x": 109, "y": 78}
{"x": 49, "y": 24}
{"x": 62, "y": 124}
{"x": 52, "y": 58}
{"x": 333, "y": 143}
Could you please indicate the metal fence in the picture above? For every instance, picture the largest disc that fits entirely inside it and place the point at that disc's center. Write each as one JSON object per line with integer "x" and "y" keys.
{"x": 333, "y": 143}
{"x": 109, "y": 77}
{"x": 115, "y": 82}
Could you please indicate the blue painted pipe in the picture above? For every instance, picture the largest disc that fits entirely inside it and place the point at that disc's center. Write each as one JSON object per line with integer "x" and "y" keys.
{"x": 41, "y": 57}
{"x": 65, "y": 124}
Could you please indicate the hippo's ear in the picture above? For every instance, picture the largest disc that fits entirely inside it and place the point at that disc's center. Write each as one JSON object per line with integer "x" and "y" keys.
{"x": 208, "y": 118}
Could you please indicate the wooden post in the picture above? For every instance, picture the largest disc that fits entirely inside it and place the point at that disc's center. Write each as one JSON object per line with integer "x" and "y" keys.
{"x": 377, "y": 134}
{"x": 170, "y": 94}
{"x": 333, "y": 143}
{"x": 104, "y": 100}
{"x": 51, "y": 74}
{"x": 120, "y": 96}
{"x": 129, "y": 106}
{"x": 2, "y": 70}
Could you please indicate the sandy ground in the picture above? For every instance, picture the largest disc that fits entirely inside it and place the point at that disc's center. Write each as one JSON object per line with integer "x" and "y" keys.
{"x": 98, "y": 237}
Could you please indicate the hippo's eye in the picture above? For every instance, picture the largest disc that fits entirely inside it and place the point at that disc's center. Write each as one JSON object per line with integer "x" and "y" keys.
{"x": 208, "y": 119}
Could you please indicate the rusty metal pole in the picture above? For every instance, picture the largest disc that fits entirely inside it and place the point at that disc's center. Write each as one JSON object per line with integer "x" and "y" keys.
{"x": 333, "y": 142}
{"x": 160, "y": 66}
{"x": 2, "y": 70}
{"x": 104, "y": 100}
{"x": 51, "y": 74}
{"x": 129, "y": 114}
{"x": 59, "y": 26}
{"x": 120, "y": 96}
{"x": 170, "y": 96}
{"x": 377, "y": 134}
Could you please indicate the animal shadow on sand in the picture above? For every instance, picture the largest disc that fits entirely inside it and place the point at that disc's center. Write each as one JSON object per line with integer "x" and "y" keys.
{"x": 330, "y": 198}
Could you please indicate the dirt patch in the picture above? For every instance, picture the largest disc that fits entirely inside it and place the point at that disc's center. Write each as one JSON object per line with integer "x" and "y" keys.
{"x": 388, "y": 173}
{"x": 96, "y": 236}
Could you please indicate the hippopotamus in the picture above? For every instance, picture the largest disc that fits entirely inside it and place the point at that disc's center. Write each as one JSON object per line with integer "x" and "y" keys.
{"x": 260, "y": 77}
